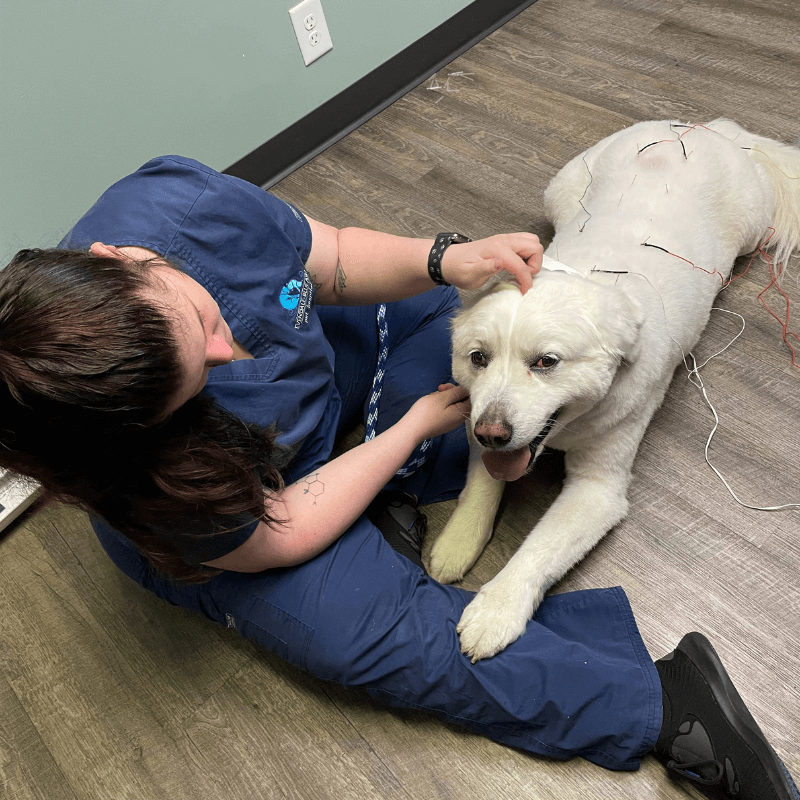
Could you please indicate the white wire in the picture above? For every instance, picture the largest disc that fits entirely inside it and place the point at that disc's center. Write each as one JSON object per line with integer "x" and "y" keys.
{"x": 695, "y": 379}
{"x": 700, "y": 385}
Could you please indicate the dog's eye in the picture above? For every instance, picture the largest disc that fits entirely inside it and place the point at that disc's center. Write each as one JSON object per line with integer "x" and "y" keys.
{"x": 478, "y": 358}
{"x": 547, "y": 361}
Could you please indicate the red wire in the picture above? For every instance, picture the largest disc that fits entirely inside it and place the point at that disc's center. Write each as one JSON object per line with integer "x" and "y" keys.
{"x": 680, "y": 136}
{"x": 750, "y": 262}
{"x": 696, "y": 125}
{"x": 707, "y": 271}
{"x": 784, "y": 323}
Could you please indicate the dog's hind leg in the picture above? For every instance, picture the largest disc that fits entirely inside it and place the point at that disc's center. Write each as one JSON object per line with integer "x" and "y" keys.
{"x": 470, "y": 527}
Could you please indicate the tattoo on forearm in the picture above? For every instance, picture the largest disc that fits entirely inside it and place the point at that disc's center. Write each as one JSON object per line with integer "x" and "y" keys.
{"x": 341, "y": 278}
{"x": 314, "y": 486}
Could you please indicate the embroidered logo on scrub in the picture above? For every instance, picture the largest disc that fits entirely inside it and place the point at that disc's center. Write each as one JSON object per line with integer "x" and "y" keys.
{"x": 296, "y": 297}
{"x": 290, "y": 294}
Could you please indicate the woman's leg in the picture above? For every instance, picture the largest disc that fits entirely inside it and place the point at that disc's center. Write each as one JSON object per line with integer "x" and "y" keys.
{"x": 579, "y": 682}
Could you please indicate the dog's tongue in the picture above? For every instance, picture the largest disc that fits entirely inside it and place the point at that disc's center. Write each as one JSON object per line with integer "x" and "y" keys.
{"x": 508, "y": 465}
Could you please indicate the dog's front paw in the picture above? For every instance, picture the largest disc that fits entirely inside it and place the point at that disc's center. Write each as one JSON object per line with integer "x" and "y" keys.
{"x": 496, "y": 617}
{"x": 451, "y": 558}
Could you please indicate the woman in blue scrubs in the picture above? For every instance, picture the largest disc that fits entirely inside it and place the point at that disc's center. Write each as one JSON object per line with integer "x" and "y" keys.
{"x": 181, "y": 365}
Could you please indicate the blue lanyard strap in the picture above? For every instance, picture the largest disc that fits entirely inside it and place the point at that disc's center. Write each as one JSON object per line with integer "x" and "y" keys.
{"x": 419, "y": 456}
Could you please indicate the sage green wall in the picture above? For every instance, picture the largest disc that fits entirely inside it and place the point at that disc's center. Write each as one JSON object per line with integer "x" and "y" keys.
{"x": 91, "y": 89}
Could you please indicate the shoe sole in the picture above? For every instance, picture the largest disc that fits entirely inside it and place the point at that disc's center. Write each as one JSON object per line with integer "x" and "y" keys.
{"x": 698, "y": 649}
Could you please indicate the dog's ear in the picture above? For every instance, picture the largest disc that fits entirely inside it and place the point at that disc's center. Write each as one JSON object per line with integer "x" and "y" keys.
{"x": 624, "y": 321}
{"x": 500, "y": 280}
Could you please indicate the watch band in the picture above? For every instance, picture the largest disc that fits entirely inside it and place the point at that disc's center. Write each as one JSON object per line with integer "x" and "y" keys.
{"x": 443, "y": 241}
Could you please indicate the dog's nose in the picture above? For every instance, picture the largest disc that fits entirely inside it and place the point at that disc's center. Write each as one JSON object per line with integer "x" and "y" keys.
{"x": 493, "y": 434}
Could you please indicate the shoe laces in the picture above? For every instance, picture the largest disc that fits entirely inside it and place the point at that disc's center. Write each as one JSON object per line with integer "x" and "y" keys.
{"x": 693, "y": 771}
{"x": 413, "y": 535}
{"x": 411, "y": 523}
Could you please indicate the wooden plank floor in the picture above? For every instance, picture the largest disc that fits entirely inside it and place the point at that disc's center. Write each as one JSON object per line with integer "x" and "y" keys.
{"x": 107, "y": 693}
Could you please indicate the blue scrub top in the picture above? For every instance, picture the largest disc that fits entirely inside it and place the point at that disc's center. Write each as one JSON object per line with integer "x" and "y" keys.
{"x": 248, "y": 249}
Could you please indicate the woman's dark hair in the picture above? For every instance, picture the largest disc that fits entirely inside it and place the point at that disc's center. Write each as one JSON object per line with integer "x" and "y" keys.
{"x": 87, "y": 367}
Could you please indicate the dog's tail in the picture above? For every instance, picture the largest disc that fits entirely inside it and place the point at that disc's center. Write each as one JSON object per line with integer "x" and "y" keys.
{"x": 781, "y": 163}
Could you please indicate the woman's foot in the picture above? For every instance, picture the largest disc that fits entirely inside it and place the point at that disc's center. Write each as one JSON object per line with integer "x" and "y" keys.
{"x": 708, "y": 736}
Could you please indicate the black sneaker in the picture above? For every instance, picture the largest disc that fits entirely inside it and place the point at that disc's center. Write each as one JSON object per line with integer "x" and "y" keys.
{"x": 395, "y": 515}
{"x": 708, "y": 736}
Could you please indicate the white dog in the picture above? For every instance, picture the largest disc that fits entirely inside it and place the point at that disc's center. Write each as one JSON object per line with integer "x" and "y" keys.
{"x": 649, "y": 221}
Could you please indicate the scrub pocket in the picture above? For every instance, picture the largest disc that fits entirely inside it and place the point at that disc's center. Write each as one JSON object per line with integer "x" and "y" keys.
{"x": 277, "y": 631}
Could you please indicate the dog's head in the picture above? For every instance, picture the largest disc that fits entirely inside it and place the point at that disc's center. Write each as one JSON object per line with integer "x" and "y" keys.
{"x": 524, "y": 358}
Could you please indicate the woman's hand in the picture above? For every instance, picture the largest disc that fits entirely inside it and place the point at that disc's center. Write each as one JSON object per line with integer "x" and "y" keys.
{"x": 438, "y": 412}
{"x": 470, "y": 265}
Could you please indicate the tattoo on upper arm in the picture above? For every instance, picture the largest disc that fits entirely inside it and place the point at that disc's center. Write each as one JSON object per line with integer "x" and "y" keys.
{"x": 314, "y": 486}
{"x": 314, "y": 282}
{"x": 341, "y": 278}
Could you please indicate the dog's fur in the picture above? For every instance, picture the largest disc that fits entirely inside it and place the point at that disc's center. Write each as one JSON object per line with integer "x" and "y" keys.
{"x": 705, "y": 194}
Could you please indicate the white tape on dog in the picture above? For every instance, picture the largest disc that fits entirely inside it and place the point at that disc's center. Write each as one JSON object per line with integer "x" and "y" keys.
{"x": 557, "y": 266}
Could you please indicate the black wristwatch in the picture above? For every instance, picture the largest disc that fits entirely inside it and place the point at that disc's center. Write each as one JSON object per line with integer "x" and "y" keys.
{"x": 443, "y": 241}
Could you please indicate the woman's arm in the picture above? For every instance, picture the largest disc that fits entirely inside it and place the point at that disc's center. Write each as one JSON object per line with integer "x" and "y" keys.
{"x": 322, "y": 506}
{"x": 355, "y": 266}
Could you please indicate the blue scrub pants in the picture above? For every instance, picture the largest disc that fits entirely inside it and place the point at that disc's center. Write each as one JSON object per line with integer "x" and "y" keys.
{"x": 579, "y": 682}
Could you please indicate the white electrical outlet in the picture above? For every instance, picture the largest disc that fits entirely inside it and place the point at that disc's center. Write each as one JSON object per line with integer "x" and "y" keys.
{"x": 311, "y": 30}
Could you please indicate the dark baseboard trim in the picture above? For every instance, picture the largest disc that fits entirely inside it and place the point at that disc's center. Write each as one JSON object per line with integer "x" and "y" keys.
{"x": 309, "y": 136}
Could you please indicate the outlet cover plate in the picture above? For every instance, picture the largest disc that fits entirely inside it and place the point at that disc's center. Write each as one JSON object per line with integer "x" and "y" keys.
{"x": 311, "y": 29}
